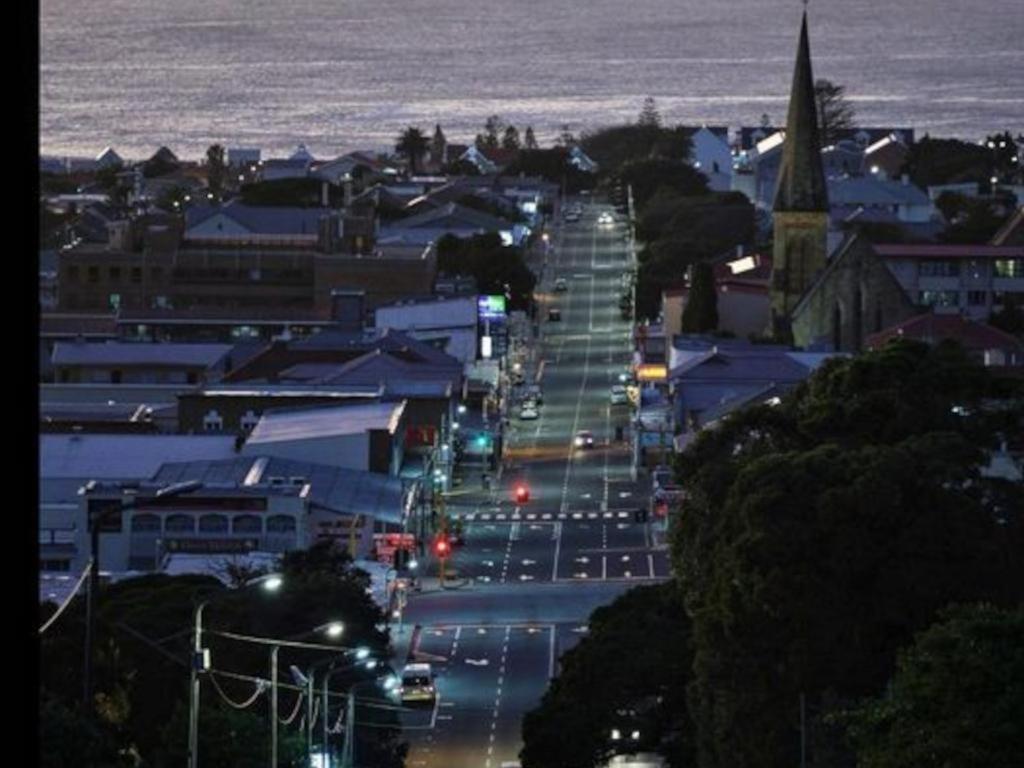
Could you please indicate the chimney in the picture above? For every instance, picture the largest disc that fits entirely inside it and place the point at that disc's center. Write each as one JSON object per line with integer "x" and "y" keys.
{"x": 739, "y": 251}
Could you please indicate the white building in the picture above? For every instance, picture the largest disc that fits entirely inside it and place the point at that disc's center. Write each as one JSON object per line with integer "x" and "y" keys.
{"x": 711, "y": 156}
{"x": 367, "y": 438}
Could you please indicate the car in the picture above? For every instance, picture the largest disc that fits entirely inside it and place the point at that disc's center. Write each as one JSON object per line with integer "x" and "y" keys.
{"x": 535, "y": 393}
{"x": 518, "y": 377}
{"x": 417, "y": 683}
{"x": 561, "y": 286}
{"x": 619, "y": 396}
{"x": 528, "y": 411}
{"x": 584, "y": 439}
{"x": 571, "y": 216}
{"x": 554, "y": 315}
{"x": 605, "y": 219}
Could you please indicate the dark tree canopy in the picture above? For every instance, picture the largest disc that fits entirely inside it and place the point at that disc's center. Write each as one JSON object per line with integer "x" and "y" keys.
{"x": 216, "y": 169}
{"x": 818, "y": 535}
{"x": 835, "y": 112}
{"x": 701, "y": 312}
{"x": 956, "y": 698}
{"x": 497, "y": 268}
{"x": 510, "y": 138}
{"x": 600, "y": 687}
{"x": 412, "y": 144}
{"x": 529, "y": 140}
{"x": 649, "y": 116}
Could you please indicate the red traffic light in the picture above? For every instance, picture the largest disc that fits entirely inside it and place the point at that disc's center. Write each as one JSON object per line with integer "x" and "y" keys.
{"x": 522, "y": 494}
{"x": 442, "y": 547}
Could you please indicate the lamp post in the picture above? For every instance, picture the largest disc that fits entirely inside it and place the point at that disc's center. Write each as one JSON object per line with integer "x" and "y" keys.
{"x": 201, "y": 662}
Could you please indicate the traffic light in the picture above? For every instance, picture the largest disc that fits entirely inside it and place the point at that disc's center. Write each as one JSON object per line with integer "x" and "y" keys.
{"x": 442, "y": 547}
{"x": 522, "y": 494}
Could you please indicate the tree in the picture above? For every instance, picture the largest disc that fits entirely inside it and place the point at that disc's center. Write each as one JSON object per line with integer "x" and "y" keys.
{"x": 628, "y": 673}
{"x": 566, "y": 138}
{"x": 956, "y": 698}
{"x": 648, "y": 175}
{"x": 947, "y": 161}
{"x": 510, "y": 139}
{"x": 1010, "y": 318}
{"x": 649, "y": 116}
{"x": 529, "y": 140}
{"x": 497, "y": 268}
{"x": 412, "y": 145}
{"x": 69, "y": 736}
{"x": 494, "y": 127}
{"x": 438, "y": 145}
{"x": 835, "y": 113}
{"x": 617, "y": 145}
{"x": 701, "y": 312}
{"x": 971, "y": 219}
{"x": 818, "y": 535}
{"x": 216, "y": 169}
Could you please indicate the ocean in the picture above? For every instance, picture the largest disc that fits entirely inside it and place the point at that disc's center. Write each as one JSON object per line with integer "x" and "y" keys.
{"x": 338, "y": 75}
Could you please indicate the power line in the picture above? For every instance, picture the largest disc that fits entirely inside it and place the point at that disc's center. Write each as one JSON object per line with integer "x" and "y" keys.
{"x": 68, "y": 599}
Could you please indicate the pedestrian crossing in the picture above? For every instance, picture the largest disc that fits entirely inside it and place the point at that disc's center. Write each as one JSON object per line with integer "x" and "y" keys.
{"x": 518, "y": 515}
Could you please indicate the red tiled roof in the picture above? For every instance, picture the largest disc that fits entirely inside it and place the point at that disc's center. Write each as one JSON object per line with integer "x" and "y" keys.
{"x": 923, "y": 251}
{"x": 932, "y": 328}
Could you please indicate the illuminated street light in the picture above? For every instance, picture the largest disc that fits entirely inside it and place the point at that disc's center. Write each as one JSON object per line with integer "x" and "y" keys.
{"x": 334, "y": 629}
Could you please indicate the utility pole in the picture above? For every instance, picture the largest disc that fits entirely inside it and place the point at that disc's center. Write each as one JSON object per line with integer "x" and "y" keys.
{"x": 273, "y": 706}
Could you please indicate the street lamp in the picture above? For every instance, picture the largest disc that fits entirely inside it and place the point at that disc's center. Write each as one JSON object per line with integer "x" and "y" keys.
{"x": 271, "y": 583}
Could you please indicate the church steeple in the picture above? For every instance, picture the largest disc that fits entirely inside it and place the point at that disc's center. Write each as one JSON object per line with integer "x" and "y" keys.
{"x": 800, "y": 212}
{"x": 801, "y": 185}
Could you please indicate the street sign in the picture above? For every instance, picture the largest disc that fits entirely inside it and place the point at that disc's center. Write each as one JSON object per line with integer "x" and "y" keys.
{"x": 491, "y": 307}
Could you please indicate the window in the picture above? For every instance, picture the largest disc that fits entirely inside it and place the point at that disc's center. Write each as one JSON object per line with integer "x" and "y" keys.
{"x": 115, "y": 274}
{"x": 247, "y": 524}
{"x": 72, "y": 273}
{"x": 1009, "y": 267}
{"x": 114, "y": 300}
{"x": 281, "y": 524}
{"x": 180, "y": 524}
{"x": 938, "y": 269}
{"x": 974, "y": 270}
{"x": 212, "y": 422}
{"x": 54, "y": 565}
{"x": 939, "y": 298}
{"x": 136, "y": 274}
{"x": 249, "y": 421}
{"x": 145, "y": 524}
{"x": 156, "y": 273}
{"x": 213, "y": 524}
{"x": 976, "y": 298}
{"x": 94, "y": 274}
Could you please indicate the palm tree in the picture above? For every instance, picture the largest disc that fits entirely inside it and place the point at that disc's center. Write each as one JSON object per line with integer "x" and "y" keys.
{"x": 412, "y": 144}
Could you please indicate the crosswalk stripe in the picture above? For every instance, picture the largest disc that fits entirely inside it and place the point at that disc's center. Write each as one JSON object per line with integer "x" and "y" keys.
{"x": 485, "y": 516}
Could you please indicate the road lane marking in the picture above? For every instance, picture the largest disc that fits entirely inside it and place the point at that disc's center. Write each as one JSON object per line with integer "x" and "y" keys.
{"x": 650, "y": 564}
{"x": 556, "y": 534}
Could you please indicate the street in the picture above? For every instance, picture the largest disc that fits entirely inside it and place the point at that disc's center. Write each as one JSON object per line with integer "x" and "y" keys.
{"x": 524, "y": 582}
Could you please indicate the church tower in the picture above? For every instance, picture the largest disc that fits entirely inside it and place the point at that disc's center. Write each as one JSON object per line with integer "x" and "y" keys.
{"x": 800, "y": 211}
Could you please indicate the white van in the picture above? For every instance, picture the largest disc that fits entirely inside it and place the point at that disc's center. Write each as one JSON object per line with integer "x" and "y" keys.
{"x": 417, "y": 683}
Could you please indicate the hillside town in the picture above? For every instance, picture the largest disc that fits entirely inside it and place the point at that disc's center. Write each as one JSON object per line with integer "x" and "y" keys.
{"x": 483, "y": 371}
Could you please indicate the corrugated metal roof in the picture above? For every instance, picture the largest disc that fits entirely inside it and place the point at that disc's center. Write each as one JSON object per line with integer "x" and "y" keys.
{"x": 124, "y": 457}
{"x": 137, "y": 353}
{"x": 344, "y": 491}
{"x": 325, "y": 421}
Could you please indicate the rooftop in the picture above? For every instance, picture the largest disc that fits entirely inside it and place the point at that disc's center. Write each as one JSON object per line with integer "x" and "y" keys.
{"x": 279, "y": 425}
{"x": 123, "y": 457}
{"x": 138, "y": 353}
{"x": 928, "y": 251}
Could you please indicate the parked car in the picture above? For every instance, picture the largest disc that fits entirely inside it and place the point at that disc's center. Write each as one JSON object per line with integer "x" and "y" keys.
{"x": 528, "y": 411}
{"x": 605, "y": 219}
{"x": 535, "y": 393}
{"x": 554, "y": 315}
{"x": 561, "y": 286}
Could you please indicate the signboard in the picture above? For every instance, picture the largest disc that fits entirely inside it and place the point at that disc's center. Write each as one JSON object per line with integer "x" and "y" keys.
{"x": 385, "y": 544}
{"x": 652, "y": 372}
{"x": 490, "y": 307}
{"x": 211, "y": 546}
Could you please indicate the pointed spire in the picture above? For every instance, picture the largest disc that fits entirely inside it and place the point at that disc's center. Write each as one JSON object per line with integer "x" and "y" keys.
{"x": 801, "y": 185}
